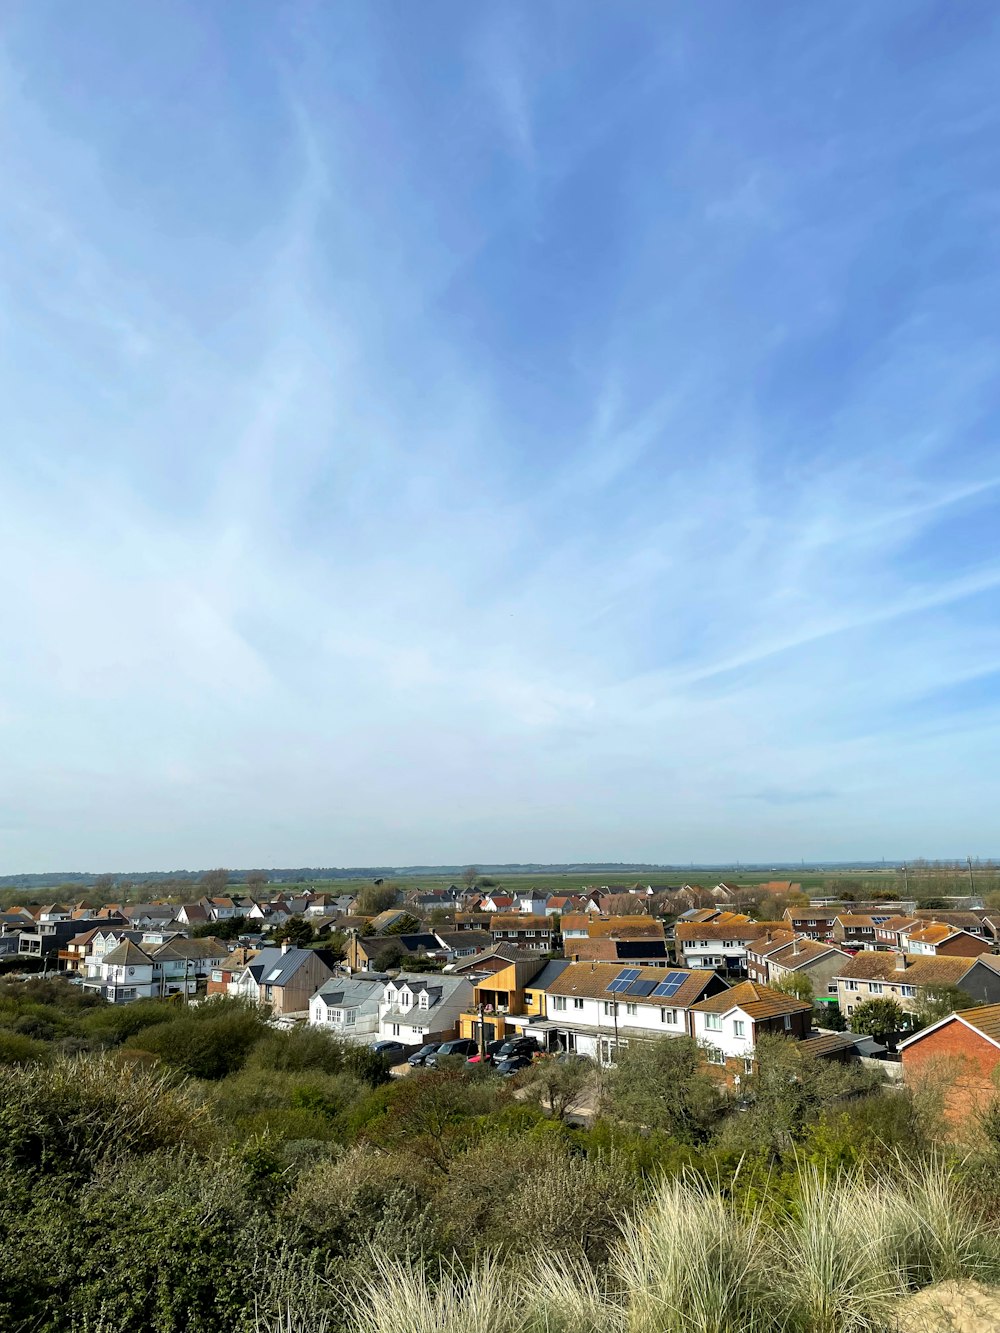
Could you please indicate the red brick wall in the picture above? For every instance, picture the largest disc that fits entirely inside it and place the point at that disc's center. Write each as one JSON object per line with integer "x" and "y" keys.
{"x": 965, "y": 947}
{"x": 961, "y": 1057}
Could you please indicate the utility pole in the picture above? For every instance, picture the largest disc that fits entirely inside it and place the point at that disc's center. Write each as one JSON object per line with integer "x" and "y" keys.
{"x": 906, "y": 881}
{"x": 972, "y": 882}
{"x": 482, "y": 1033}
{"x": 614, "y": 1010}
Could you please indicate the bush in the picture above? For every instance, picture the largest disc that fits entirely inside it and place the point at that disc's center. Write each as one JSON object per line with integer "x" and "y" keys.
{"x": 72, "y": 1114}
{"x": 208, "y": 1044}
{"x": 18, "y": 1049}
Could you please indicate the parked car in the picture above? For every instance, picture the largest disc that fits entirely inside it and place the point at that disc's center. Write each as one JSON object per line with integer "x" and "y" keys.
{"x": 390, "y": 1051}
{"x": 518, "y": 1046}
{"x": 460, "y": 1046}
{"x": 513, "y": 1065}
{"x": 420, "y": 1055}
{"x": 492, "y": 1047}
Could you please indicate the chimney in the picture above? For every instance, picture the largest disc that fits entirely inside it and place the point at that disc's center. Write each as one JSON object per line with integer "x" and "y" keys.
{"x": 796, "y": 946}
{"x": 284, "y": 946}
{"x": 901, "y": 962}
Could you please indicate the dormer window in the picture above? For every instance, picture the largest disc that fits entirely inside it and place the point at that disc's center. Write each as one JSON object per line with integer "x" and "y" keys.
{"x": 424, "y": 1001}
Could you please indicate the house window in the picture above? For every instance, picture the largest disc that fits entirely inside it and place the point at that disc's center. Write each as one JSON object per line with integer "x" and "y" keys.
{"x": 850, "y": 985}
{"x": 715, "y": 1056}
{"x": 631, "y": 1010}
{"x": 559, "y": 1002}
{"x": 530, "y": 934}
{"x": 748, "y": 1065}
{"x": 511, "y": 934}
{"x": 739, "y": 1027}
{"x": 395, "y": 1029}
{"x": 713, "y": 1022}
{"x": 609, "y": 1008}
{"x": 788, "y": 1022}
{"x": 338, "y": 1015}
{"x": 909, "y": 991}
{"x": 875, "y": 987}
{"x": 577, "y": 1003}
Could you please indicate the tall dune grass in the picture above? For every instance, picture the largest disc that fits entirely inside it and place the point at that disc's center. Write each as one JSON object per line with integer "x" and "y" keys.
{"x": 840, "y": 1261}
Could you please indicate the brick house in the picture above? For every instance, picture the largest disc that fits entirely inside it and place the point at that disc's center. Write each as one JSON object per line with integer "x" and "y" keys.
{"x": 722, "y": 946}
{"x": 895, "y": 976}
{"x": 940, "y": 938}
{"x": 525, "y": 930}
{"x": 814, "y": 923}
{"x": 964, "y": 1049}
{"x": 772, "y": 960}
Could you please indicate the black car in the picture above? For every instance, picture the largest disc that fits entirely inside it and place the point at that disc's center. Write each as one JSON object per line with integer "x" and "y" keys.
{"x": 513, "y": 1065}
{"x": 419, "y": 1056}
{"x": 462, "y": 1046}
{"x": 390, "y": 1051}
{"x": 517, "y": 1046}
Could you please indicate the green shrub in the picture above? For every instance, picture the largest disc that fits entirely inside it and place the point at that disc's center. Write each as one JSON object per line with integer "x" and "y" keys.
{"x": 70, "y": 1115}
{"x": 17, "y": 1049}
{"x": 206, "y": 1045}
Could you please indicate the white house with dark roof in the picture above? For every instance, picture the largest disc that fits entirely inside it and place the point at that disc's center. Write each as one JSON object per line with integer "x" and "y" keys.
{"x": 418, "y": 1007}
{"x": 348, "y": 1007}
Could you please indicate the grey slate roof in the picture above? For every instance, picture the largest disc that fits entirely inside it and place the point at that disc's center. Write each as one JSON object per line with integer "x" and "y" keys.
{"x": 283, "y": 965}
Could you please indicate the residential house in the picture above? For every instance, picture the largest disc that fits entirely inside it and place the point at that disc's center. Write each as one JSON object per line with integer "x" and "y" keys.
{"x": 463, "y": 943}
{"x": 496, "y": 902}
{"x": 896, "y": 976}
{"x": 498, "y": 1006}
{"x": 221, "y": 978}
{"x": 529, "y": 932}
{"x": 46, "y": 939}
{"x": 647, "y": 952}
{"x": 857, "y": 928}
{"x": 193, "y": 914}
{"x": 964, "y": 1050}
{"x": 892, "y": 933}
{"x": 472, "y": 921}
{"x": 729, "y": 1024}
{"x": 979, "y": 922}
{"x": 532, "y": 902}
{"x": 596, "y": 1008}
{"x": 493, "y": 960}
{"x": 784, "y": 954}
{"x": 416, "y": 1008}
{"x": 560, "y": 903}
{"x": 131, "y": 971}
{"x": 283, "y": 979}
{"x": 982, "y": 981}
{"x": 575, "y": 926}
{"x": 364, "y": 951}
{"x": 348, "y": 1006}
{"x": 814, "y": 923}
{"x": 937, "y": 938}
{"x": 384, "y": 921}
{"x": 719, "y": 946}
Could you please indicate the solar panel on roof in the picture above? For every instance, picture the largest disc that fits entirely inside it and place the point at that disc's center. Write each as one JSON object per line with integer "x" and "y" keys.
{"x": 640, "y": 988}
{"x": 671, "y": 984}
{"x": 624, "y": 979}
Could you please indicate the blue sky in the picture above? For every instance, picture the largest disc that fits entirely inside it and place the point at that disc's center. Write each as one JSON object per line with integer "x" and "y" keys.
{"x": 534, "y": 431}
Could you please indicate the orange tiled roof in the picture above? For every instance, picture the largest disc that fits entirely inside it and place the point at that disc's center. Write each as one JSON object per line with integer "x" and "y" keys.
{"x": 755, "y": 1000}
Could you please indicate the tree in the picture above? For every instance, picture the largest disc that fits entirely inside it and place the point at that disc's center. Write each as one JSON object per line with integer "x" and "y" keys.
{"x": 469, "y": 876}
{"x": 662, "y": 1085}
{"x": 829, "y": 1016}
{"x": 795, "y": 983}
{"x": 256, "y": 880}
{"x": 214, "y": 881}
{"x": 935, "y": 1002}
{"x": 389, "y": 956}
{"x": 297, "y": 931}
{"x": 879, "y": 1015}
{"x": 230, "y": 929}
{"x": 560, "y": 1086}
{"x": 404, "y": 926}
{"x": 375, "y": 898}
